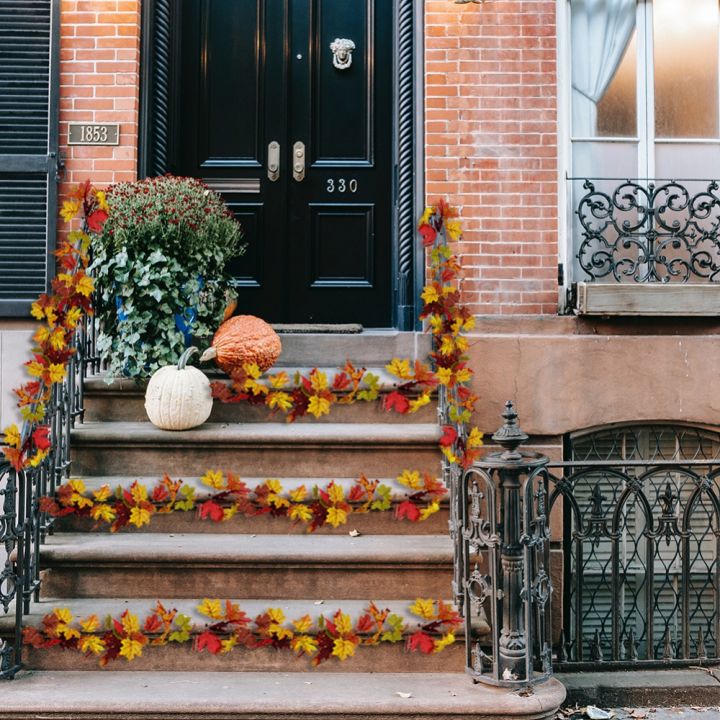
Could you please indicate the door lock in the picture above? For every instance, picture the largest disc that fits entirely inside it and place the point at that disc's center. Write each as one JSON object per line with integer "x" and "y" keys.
{"x": 299, "y": 161}
{"x": 273, "y": 167}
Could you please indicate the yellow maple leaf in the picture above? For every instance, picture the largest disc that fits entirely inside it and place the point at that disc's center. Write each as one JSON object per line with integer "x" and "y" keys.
{"x": 447, "y": 345}
{"x": 102, "y": 493}
{"x": 91, "y": 644}
{"x": 228, "y": 644}
{"x": 449, "y": 454}
{"x": 276, "y": 615}
{"x": 318, "y": 406}
{"x": 56, "y": 372}
{"x": 101, "y": 200}
{"x": 278, "y": 501}
{"x": 444, "y": 375}
{"x": 425, "y": 608}
{"x": 139, "y": 516}
{"x": 252, "y": 370}
{"x": 430, "y": 294}
{"x": 280, "y": 632}
{"x": 85, "y": 286}
{"x": 38, "y": 457}
{"x": 63, "y": 615}
{"x": 72, "y": 317}
{"x": 12, "y": 436}
{"x": 475, "y": 438}
{"x": 444, "y": 641}
{"x": 304, "y": 644}
{"x": 35, "y": 369}
{"x": 130, "y": 648}
{"x": 36, "y": 311}
{"x": 42, "y": 334}
{"x": 138, "y": 492}
{"x": 335, "y": 493}
{"x": 453, "y": 229}
{"x": 336, "y": 517}
{"x": 57, "y": 339}
{"x": 410, "y": 479}
{"x": 431, "y": 509}
{"x": 298, "y": 494}
{"x": 318, "y": 380}
{"x": 436, "y": 324}
{"x": 461, "y": 343}
{"x": 463, "y": 375}
{"x": 70, "y": 208}
{"x": 425, "y": 217}
{"x": 211, "y": 608}
{"x": 77, "y": 485}
{"x": 68, "y": 632}
{"x": 274, "y": 485}
{"x": 279, "y": 380}
{"x": 90, "y": 624}
{"x": 229, "y": 512}
{"x": 470, "y": 323}
{"x": 65, "y": 278}
{"x": 303, "y": 624}
{"x": 343, "y": 648}
{"x": 419, "y": 402}
{"x": 300, "y": 512}
{"x": 130, "y": 623}
{"x": 103, "y": 512}
{"x": 400, "y": 368}
{"x": 214, "y": 478}
{"x": 280, "y": 400}
{"x": 343, "y": 623}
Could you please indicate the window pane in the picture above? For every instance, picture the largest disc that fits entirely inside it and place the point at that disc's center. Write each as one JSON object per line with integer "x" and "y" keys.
{"x": 686, "y": 68}
{"x": 604, "y": 66}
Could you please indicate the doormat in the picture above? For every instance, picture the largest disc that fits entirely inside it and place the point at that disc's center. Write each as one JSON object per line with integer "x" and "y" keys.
{"x": 297, "y": 329}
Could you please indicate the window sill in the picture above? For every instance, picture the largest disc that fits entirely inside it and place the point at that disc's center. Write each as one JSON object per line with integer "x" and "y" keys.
{"x": 594, "y": 298}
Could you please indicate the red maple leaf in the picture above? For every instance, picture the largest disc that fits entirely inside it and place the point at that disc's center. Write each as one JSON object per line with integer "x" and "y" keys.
{"x": 211, "y": 510}
{"x": 152, "y": 624}
{"x": 160, "y": 493}
{"x": 429, "y": 233}
{"x": 449, "y": 436}
{"x": 365, "y": 624}
{"x": 421, "y": 641}
{"x": 407, "y": 509}
{"x": 396, "y": 401}
{"x": 208, "y": 640}
{"x": 40, "y": 437}
{"x": 96, "y": 220}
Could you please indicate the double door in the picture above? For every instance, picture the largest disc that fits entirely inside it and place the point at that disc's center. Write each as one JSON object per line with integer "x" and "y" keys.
{"x": 285, "y": 107}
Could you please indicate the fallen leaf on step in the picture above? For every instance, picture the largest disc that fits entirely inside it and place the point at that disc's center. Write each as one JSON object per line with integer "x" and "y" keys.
{"x": 354, "y": 533}
{"x": 319, "y": 602}
{"x": 595, "y": 713}
{"x": 638, "y": 714}
{"x": 308, "y": 682}
{"x": 404, "y": 695}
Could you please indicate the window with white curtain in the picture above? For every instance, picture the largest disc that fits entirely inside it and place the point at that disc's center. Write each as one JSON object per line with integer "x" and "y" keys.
{"x": 644, "y": 99}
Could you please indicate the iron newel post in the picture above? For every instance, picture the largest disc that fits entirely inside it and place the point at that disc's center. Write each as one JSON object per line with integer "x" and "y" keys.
{"x": 511, "y": 544}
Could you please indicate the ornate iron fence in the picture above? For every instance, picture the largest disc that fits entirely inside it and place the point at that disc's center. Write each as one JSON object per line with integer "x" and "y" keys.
{"x": 659, "y": 231}
{"x": 637, "y": 546}
{"x": 23, "y": 527}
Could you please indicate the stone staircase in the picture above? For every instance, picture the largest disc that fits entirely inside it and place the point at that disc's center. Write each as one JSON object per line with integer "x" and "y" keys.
{"x": 257, "y": 562}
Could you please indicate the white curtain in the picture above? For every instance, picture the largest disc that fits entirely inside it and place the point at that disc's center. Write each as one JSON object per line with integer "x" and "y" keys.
{"x": 601, "y": 31}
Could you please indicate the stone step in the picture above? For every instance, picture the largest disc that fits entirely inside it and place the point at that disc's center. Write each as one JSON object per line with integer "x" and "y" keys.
{"x": 376, "y": 523}
{"x": 325, "y": 567}
{"x": 380, "y": 658}
{"x": 255, "y": 449}
{"x": 112, "y": 695}
{"x": 124, "y": 400}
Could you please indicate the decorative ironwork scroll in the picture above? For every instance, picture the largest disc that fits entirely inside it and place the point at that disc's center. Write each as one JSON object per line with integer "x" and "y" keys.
{"x": 650, "y": 233}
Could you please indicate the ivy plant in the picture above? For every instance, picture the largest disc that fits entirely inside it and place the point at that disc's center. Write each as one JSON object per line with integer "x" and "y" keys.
{"x": 160, "y": 266}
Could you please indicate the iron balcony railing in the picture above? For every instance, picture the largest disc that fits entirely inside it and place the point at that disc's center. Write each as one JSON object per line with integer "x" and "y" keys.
{"x": 23, "y": 527}
{"x": 662, "y": 231}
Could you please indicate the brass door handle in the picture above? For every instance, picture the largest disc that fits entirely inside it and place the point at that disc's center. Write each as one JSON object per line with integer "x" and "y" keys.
{"x": 299, "y": 161}
{"x": 273, "y": 167}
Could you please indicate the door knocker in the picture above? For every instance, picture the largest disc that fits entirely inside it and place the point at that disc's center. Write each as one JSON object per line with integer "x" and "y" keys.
{"x": 342, "y": 53}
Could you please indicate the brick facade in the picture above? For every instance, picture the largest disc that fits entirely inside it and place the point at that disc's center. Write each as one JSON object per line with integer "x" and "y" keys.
{"x": 100, "y": 78}
{"x": 491, "y": 146}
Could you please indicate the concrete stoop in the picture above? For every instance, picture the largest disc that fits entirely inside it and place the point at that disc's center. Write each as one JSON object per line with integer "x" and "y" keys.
{"x": 269, "y": 696}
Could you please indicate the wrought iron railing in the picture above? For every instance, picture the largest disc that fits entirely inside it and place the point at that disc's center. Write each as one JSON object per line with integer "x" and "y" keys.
{"x": 655, "y": 231}
{"x": 637, "y": 547}
{"x": 23, "y": 527}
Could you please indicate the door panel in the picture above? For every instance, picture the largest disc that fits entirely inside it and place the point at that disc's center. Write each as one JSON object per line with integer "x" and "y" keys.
{"x": 256, "y": 72}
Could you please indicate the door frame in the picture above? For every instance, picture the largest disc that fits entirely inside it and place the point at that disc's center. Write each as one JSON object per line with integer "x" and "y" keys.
{"x": 160, "y": 47}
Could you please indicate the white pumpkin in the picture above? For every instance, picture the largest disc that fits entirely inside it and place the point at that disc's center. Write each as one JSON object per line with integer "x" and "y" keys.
{"x": 178, "y": 398}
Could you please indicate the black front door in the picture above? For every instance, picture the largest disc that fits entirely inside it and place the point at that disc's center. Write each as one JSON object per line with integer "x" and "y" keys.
{"x": 297, "y": 136}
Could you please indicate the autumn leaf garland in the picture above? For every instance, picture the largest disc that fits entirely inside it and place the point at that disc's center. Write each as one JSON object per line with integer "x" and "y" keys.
{"x": 228, "y": 627}
{"x": 316, "y": 507}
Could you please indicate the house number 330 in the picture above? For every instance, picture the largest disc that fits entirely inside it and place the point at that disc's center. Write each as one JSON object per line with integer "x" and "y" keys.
{"x": 342, "y": 185}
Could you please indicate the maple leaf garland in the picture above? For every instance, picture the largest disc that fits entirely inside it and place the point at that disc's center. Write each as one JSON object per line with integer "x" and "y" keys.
{"x": 318, "y": 507}
{"x": 59, "y": 313}
{"x": 229, "y": 627}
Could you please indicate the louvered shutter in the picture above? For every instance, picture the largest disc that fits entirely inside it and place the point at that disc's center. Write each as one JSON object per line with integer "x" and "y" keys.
{"x": 29, "y": 86}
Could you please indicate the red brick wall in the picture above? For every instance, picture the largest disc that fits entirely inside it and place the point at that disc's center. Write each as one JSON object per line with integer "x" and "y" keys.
{"x": 99, "y": 66}
{"x": 491, "y": 146}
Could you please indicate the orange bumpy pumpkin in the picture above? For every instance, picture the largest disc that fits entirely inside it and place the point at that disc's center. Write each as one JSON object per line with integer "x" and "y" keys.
{"x": 244, "y": 339}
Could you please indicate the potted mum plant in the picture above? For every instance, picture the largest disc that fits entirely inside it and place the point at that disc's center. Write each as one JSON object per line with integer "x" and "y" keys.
{"x": 160, "y": 264}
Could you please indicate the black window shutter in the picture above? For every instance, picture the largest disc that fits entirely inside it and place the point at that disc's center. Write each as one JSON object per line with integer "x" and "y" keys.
{"x": 29, "y": 89}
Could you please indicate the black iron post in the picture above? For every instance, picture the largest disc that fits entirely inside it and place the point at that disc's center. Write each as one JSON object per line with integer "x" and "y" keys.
{"x": 503, "y": 503}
